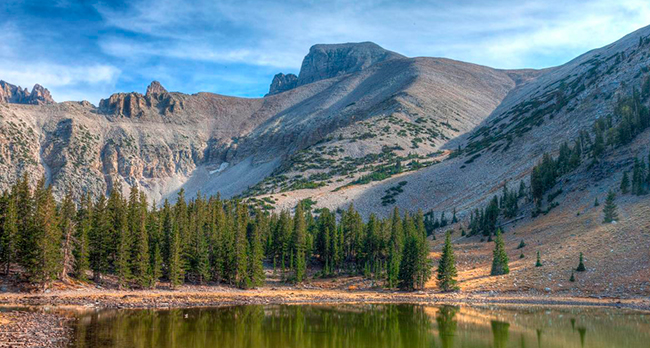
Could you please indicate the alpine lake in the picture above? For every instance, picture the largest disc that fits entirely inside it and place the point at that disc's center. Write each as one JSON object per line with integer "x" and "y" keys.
{"x": 364, "y": 325}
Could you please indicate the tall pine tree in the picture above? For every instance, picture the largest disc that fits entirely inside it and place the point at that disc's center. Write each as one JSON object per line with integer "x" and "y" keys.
{"x": 499, "y": 257}
{"x": 447, "y": 267}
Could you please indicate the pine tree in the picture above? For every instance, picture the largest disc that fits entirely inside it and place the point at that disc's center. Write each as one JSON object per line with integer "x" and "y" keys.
{"x": 173, "y": 259}
{"x": 447, "y": 267}
{"x": 25, "y": 206}
{"x": 9, "y": 234}
{"x": 522, "y": 189}
{"x": 407, "y": 270}
{"x": 424, "y": 265}
{"x": 141, "y": 256}
{"x": 98, "y": 238}
{"x": 154, "y": 230}
{"x": 199, "y": 250}
{"x": 625, "y": 184}
{"x": 638, "y": 178}
{"x": 609, "y": 210}
{"x": 182, "y": 225}
{"x": 573, "y": 278}
{"x": 45, "y": 264}
{"x": 241, "y": 246}
{"x": 82, "y": 238}
{"x": 522, "y": 244}
{"x": 581, "y": 265}
{"x": 67, "y": 225}
{"x": 500, "y": 258}
{"x": 256, "y": 255}
{"x": 598, "y": 146}
{"x": 299, "y": 241}
{"x": 539, "y": 260}
{"x": 395, "y": 249}
{"x": 123, "y": 250}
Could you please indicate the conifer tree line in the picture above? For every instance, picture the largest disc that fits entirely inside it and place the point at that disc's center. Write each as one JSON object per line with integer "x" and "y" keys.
{"x": 640, "y": 183}
{"x": 200, "y": 240}
{"x": 485, "y": 220}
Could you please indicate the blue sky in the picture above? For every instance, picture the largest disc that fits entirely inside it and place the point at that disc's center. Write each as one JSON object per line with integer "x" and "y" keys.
{"x": 89, "y": 49}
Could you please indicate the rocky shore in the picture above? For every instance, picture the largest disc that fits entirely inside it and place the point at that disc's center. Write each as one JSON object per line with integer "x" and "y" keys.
{"x": 25, "y": 323}
{"x": 33, "y": 328}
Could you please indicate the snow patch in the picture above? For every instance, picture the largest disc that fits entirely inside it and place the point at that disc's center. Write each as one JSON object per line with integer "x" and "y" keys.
{"x": 221, "y": 168}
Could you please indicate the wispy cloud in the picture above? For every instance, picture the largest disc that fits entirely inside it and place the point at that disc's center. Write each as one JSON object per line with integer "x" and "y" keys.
{"x": 230, "y": 46}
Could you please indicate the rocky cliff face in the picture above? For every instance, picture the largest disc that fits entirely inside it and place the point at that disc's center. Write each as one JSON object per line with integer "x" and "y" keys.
{"x": 328, "y": 61}
{"x": 16, "y": 95}
{"x": 282, "y": 82}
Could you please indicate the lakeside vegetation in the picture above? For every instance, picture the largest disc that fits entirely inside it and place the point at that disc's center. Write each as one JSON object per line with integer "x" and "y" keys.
{"x": 200, "y": 240}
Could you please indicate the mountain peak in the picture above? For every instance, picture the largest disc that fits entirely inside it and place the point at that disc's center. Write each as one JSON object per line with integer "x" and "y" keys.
{"x": 17, "y": 95}
{"x": 330, "y": 60}
{"x": 325, "y": 61}
{"x": 155, "y": 88}
{"x": 282, "y": 82}
{"x": 40, "y": 95}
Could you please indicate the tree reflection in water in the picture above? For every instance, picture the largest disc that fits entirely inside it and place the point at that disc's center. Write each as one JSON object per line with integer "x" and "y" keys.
{"x": 372, "y": 326}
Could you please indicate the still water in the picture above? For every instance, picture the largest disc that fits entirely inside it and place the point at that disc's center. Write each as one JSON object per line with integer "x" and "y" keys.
{"x": 373, "y": 326}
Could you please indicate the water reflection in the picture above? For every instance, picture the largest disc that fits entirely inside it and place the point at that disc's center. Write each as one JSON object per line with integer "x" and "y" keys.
{"x": 363, "y": 326}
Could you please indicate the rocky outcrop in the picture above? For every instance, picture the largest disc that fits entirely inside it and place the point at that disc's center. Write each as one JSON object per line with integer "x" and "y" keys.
{"x": 124, "y": 104}
{"x": 155, "y": 88}
{"x": 282, "y": 82}
{"x": 156, "y": 101}
{"x": 40, "y": 95}
{"x": 327, "y": 61}
{"x": 16, "y": 95}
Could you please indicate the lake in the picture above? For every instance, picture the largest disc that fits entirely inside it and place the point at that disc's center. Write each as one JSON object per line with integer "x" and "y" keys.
{"x": 373, "y": 325}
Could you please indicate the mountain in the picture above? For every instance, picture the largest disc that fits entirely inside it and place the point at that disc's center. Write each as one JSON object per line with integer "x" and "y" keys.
{"x": 15, "y": 94}
{"x": 355, "y": 122}
{"x": 526, "y": 151}
{"x": 164, "y": 141}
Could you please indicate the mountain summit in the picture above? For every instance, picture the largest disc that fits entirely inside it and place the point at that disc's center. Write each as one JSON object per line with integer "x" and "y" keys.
{"x": 16, "y": 95}
{"x": 325, "y": 61}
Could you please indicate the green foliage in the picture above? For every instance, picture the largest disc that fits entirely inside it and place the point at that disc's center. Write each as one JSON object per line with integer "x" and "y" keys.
{"x": 447, "y": 267}
{"x": 581, "y": 265}
{"x": 522, "y": 244}
{"x": 610, "y": 209}
{"x": 538, "y": 263}
{"x": 299, "y": 244}
{"x": 625, "y": 183}
{"x": 499, "y": 257}
{"x": 205, "y": 239}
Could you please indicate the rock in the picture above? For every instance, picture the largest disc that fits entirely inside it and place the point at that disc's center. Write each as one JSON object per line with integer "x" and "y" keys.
{"x": 12, "y": 94}
{"x": 155, "y": 88}
{"x": 40, "y": 95}
{"x": 282, "y": 82}
{"x": 16, "y": 95}
{"x": 327, "y": 61}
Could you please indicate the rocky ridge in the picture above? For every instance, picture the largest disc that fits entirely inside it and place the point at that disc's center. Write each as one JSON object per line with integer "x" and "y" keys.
{"x": 15, "y": 94}
{"x": 163, "y": 141}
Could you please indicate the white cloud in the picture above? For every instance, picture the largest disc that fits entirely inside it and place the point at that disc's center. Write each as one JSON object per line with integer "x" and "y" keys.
{"x": 501, "y": 33}
{"x": 65, "y": 81}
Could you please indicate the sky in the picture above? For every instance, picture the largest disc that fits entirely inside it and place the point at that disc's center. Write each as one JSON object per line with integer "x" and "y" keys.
{"x": 87, "y": 50}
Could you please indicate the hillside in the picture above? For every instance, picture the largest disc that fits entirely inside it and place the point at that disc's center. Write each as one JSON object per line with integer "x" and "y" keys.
{"x": 163, "y": 141}
{"x": 535, "y": 117}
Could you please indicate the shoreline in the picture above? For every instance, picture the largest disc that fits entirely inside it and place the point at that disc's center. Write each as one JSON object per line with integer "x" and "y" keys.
{"x": 221, "y": 296}
{"x": 24, "y": 318}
